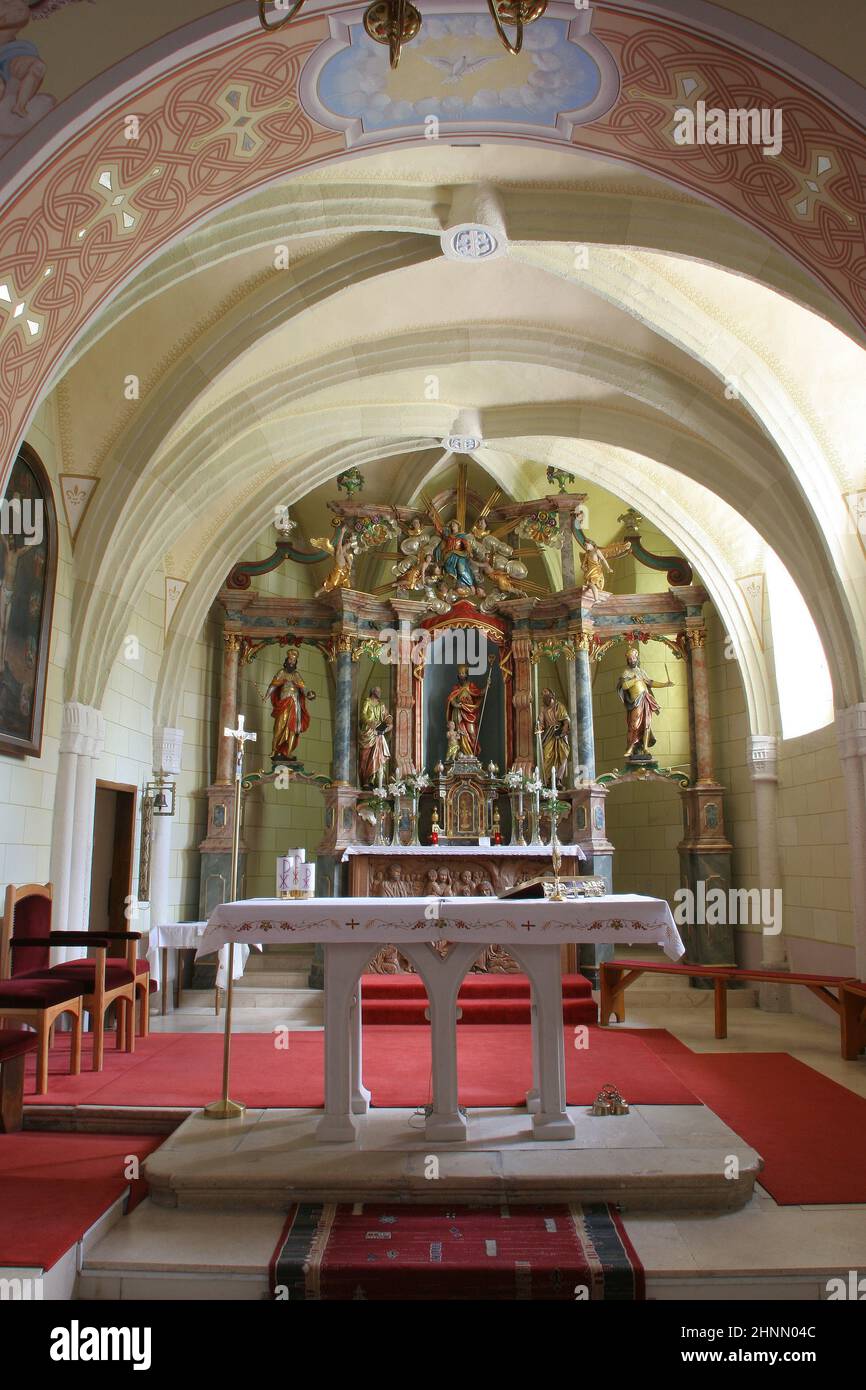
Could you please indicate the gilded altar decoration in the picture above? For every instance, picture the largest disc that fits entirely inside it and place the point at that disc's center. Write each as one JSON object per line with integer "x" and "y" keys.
{"x": 555, "y": 729}
{"x": 351, "y": 538}
{"x": 374, "y": 726}
{"x": 596, "y": 564}
{"x": 635, "y": 688}
{"x": 289, "y": 697}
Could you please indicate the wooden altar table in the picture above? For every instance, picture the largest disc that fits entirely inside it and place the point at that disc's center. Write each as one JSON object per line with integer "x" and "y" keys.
{"x": 442, "y": 937}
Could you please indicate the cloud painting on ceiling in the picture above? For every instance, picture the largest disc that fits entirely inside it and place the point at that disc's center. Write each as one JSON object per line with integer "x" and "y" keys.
{"x": 457, "y": 75}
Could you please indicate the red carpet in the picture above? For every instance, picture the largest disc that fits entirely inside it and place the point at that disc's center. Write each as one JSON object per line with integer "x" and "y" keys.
{"x": 392, "y": 1251}
{"x": 483, "y": 999}
{"x": 53, "y": 1187}
{"x": 810, "y": 1132}
{"x": 184, "y": 1069}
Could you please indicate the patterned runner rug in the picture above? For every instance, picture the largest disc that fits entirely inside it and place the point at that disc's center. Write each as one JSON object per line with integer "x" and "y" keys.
{"x": 375, "y": 1250}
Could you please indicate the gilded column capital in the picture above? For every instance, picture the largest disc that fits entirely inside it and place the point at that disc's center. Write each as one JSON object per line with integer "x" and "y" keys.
{"x": 232, "y": 641}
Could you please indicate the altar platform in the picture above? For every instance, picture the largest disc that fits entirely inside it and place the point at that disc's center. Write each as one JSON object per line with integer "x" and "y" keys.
{"x": 658, "y": 1157}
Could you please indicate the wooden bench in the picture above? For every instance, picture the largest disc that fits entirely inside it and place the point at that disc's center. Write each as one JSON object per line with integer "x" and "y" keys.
{"x": 852, "y": 996}
{"x": 617, "y": 975}
{"x": 15, "y": 1043}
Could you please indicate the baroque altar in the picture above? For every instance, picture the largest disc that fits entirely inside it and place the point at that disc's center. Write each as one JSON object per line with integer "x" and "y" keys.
{"x": 450, "y": 762}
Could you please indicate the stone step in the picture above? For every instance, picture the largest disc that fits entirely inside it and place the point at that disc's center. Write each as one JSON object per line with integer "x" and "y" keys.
{"x": 273, "y": 979}
{"x": 309, "y": 1006}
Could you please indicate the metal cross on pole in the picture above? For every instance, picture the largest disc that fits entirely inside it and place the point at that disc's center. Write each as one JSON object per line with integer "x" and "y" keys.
{"x": 225, "y": 1109}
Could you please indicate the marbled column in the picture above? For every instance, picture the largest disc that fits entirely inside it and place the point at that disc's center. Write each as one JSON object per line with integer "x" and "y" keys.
{"x": 343, "y": 771}
{"x": 762, "y": 752}
{"x": 697, "y": 637}
{"x": 82, "y": 738}
{"x": 228, "y": 716}
{"x": 851, "y": 732}
{"x": 583, "y": 721}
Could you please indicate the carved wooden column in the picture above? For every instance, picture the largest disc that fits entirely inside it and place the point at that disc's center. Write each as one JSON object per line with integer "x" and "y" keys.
{"x": 228, "y": 716}
{"x": 524, "y": 744}
{"x": 408, "y": 612}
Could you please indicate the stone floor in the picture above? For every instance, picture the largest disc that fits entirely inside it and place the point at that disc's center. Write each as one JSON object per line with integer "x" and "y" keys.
{"x": 760, "y": 1252}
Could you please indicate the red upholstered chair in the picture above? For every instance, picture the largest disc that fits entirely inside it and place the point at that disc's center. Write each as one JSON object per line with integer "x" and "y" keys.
{"x": 25, "y": 950}
{"x": 107, "y": 981}
{"x": 29, "y": 994}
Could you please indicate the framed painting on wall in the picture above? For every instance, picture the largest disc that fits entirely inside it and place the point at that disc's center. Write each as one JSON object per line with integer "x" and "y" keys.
{"x": 28, "y": 570}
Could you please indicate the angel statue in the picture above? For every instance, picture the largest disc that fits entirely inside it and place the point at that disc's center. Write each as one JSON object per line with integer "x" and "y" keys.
{"x": 596, "y": 560}
{"x": 418, "y": 546}
{"x": 343, "y": 549}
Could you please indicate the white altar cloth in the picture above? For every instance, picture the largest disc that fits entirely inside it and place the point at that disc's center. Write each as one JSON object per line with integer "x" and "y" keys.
{"x": 186, "y": 936}
{"x": 500, "y": 851}
{"x": 625, "y": 918}
{"x": 352, "y": 930}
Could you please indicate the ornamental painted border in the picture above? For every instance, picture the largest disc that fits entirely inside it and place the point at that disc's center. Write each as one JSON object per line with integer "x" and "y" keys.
{"x": 65, "y": 277}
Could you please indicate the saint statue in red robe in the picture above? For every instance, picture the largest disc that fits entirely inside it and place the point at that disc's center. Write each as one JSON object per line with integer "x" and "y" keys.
{"x": 464, "y": 708}
{"x": 289, "y": 695}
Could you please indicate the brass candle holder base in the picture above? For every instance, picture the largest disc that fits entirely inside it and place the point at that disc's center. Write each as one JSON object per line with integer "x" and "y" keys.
{"x": 224, "y": 1110}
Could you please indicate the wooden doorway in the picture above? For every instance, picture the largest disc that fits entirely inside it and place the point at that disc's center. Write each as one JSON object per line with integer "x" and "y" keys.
{"x": 113, "y": 852}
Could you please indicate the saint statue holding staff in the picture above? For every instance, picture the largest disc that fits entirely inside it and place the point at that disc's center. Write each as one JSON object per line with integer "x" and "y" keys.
{"x": 464, "y": 708}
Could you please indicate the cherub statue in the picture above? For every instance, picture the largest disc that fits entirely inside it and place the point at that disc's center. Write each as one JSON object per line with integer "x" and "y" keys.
{"x": 503, "y": 575}
{"x": 596, "y": 560}
{"x": 453, "y": 741}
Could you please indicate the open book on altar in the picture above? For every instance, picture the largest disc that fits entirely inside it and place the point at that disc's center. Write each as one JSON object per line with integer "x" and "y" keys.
{"x": 541, "y": 886}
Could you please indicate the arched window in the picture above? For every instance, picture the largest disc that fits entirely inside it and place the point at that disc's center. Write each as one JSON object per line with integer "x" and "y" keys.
{"x": 802, "y": 675}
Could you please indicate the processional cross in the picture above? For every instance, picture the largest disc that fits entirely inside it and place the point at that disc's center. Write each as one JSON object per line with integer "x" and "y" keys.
{"x": 225, "y": 1109}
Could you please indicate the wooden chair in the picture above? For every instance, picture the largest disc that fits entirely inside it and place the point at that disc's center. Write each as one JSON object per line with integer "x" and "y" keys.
{"x": 28, "y": 992}
{"x": 15, "y": 1043}
{"x": 25, "y": 955}
{"x": 107, "y": 981}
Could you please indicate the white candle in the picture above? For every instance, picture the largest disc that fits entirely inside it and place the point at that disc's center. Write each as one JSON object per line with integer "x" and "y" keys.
{"x": 553, "y": 779}
{"x": 381, "y": 780}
